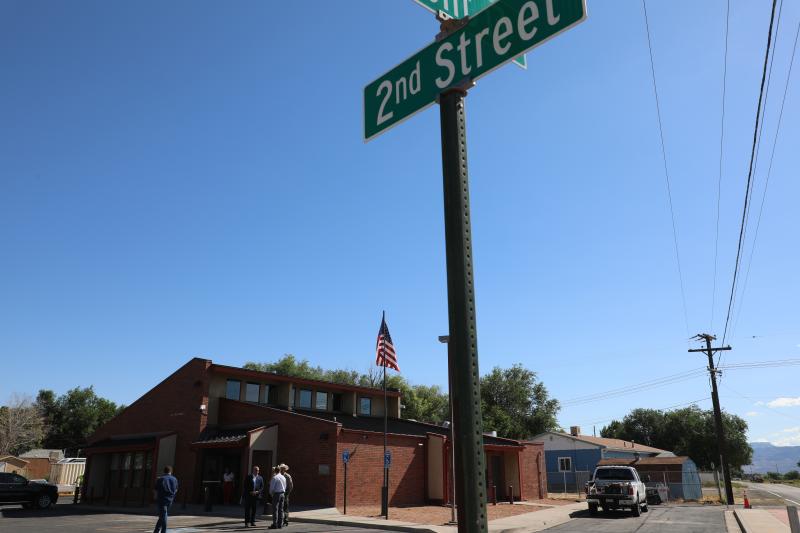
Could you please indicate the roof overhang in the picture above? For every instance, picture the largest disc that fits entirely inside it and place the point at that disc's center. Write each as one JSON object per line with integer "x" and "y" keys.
{"x": 228, "y": 438}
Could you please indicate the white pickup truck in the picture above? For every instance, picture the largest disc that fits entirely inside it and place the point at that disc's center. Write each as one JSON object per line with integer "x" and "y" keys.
{"x": 616, "y": 487}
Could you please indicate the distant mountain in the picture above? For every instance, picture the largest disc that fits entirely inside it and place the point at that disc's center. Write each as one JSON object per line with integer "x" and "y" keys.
{"x": 767, "y": 457}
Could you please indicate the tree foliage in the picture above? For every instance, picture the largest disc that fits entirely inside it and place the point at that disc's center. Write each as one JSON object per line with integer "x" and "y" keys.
{"x": 21, "y": 427}
{"x": 70, "y": 418}
{"x": 689, "y": 431}
{"x": 515, "y": 404}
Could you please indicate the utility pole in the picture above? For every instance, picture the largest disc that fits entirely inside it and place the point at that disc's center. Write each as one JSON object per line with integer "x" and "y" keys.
{"x": 721, "y": 446}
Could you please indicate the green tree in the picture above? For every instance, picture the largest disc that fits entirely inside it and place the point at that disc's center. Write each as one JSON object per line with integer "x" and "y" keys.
{"x": 689, "y": 431}
{"x": 791, "y": 475}
{"x": 644, "y": 426}
{"x": 73, "y": 416}
{"x": 515, "y": 404}
{"x": 426, "y": 403}
{"x": 288, "y": 365}
{"x": 345, "y": 377}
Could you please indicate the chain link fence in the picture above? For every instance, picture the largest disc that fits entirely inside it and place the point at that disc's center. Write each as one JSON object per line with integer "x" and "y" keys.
{"x": 663, "y": 485}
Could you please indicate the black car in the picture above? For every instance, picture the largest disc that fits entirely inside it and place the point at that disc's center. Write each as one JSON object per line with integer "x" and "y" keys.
{"x": 16, "y": 489}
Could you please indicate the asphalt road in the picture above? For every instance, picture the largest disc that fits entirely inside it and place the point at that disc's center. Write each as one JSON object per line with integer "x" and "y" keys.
{"x": 672, "y": 519}
{"x": 61, "y": 519}
{"x": 790, "y": 494}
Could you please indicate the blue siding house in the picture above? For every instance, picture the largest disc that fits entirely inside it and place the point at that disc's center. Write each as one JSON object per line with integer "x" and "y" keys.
{"x": 571, "y": 457}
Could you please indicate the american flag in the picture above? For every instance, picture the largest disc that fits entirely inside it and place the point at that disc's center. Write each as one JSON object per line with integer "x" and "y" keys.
{"x": 384, "y": 349}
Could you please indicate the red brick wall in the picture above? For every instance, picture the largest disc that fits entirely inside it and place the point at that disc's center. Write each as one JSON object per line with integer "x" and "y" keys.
{"x": 534, "y": 482}
{"x": 172, "y": 405}
{"x": 304, "y": 443}
{"x": 365, "y": 470}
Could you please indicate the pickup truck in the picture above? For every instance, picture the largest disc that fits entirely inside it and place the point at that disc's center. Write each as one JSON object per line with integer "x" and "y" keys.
{"x": 616, "y": 487}
{"x": 17, "y": 489}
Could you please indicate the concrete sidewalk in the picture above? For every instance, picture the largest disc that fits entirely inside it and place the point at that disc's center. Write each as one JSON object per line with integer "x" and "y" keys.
{"x": 759, "y": 521}
{"x": 536, "y": 520}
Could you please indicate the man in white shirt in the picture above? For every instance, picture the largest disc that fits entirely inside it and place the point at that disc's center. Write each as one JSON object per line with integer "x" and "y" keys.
{"x": 277, "y": 489}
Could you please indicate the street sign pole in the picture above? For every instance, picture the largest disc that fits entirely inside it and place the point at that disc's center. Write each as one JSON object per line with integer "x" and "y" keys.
{"x": 463, "y": 343}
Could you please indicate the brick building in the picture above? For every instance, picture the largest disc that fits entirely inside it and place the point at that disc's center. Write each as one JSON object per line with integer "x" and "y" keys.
{"x": 207, "y": 417}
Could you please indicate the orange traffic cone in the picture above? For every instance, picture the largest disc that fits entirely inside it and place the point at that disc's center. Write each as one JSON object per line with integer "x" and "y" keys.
{"x": 746, "y": 501}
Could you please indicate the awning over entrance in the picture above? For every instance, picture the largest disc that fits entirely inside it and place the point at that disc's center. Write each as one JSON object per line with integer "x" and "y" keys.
{"x": 126, "y": 443}
{"x": 226, "y": 437}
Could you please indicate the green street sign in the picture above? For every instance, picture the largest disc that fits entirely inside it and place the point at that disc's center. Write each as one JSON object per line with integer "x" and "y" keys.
{"x": 491, "y": 38}
{"x": 459, "y": 9}
{"x": 453, "y": 8}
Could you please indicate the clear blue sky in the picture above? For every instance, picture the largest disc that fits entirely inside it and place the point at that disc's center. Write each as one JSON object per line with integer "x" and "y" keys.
{"x": 184, "y": 179}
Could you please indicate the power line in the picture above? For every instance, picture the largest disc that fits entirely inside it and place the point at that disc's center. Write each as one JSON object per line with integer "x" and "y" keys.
{"x": 770, "y": 410}
{"x": 654, "y": 383}
{"x": 656, "y": 408}
{"x": 762, "y": 364}
{"x": 721, "y": 142}
{"x": 769, "y": 173}
{"x": 740, "y": 295}
{"x": 748, "y": 188}
{"x": 666, "y": 170}
{"x": 673, "y": 378}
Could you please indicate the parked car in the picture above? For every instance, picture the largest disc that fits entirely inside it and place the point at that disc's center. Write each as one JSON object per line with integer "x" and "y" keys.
{"x": 616, "y": 487}
{"x": 16, "y": 489}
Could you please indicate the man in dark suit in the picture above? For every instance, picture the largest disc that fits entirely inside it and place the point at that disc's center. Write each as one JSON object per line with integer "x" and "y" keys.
{"x": 165, "y": 490}
{"x": 253, "y": 492}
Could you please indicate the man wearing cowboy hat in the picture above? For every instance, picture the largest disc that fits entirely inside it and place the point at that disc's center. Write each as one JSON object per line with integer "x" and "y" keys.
{"x": 289, "y": 486}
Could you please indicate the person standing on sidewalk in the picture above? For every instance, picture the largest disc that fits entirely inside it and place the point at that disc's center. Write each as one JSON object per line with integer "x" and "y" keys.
{"x": 289, "y": 487}
{"x": 277, "y": 489}
{"x": 227, "y": 486}
{"x": 253, "y": 490}
{"x": 165, "y": 490}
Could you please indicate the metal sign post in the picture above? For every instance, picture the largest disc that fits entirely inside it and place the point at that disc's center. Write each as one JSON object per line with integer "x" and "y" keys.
{"x": 463, "y": 344}
{"x": 345, "y": 460}
{"x": 387, "y": 462}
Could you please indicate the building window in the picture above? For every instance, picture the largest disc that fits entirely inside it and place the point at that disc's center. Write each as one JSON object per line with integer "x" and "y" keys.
{"x": 565, "y": 464}
{"x": 337, "y": 402}
{"x": 148, "y": 468}
{"x": 265, "y": 395}
{"x": 305, "y": 399}
{"x": 233, "y": 389}
{"x": 138, "y": 470}
{"x": 127, "y": 462}
{"x": 321, "y": 403}
{"x": 365, "y": 406}
{"x": 251, "y": 392}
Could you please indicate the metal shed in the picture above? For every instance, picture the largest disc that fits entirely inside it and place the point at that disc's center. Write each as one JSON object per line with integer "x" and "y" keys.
{"x": 67, "y": 471}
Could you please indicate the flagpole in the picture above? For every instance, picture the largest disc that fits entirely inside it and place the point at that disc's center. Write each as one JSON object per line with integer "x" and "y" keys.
{"x": 385, "y": 492}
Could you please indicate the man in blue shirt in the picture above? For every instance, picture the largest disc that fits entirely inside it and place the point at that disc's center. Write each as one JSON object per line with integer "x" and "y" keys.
{"x": 165, "y": 490}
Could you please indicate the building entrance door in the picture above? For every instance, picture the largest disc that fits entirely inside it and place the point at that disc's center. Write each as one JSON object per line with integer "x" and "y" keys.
{"x": 499, "y": 475}
{"x": 214, "y": 464}
{"x": 263, "y": 460}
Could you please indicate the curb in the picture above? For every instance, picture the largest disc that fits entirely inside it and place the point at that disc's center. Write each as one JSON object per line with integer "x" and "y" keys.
{"x": 739, "y": 521}
{"x": 366, "y": 525}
